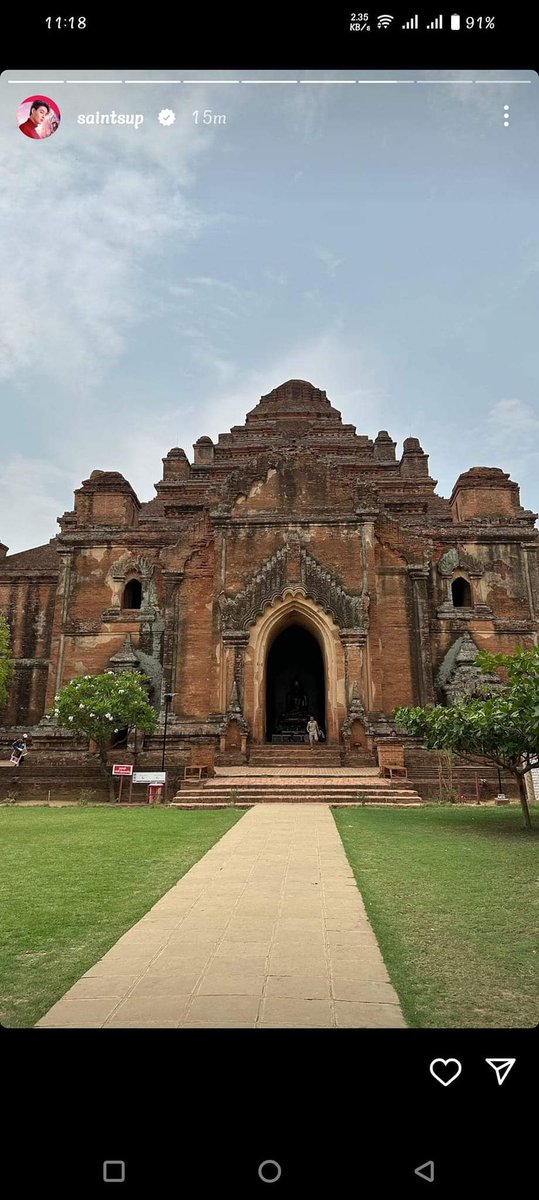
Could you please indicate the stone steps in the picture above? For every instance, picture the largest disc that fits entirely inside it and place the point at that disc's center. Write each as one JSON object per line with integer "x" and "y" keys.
{"x": 293, "y": 756}
{"x": 305, "y": 778}
{"x": 334, "y": 789}
{"x": 198, "y": 804}
{"x": 284, "y": 763}
{"x": 292, "y": 749}
{"x": 372, "y": 774}
{"x": 302, "y": 755}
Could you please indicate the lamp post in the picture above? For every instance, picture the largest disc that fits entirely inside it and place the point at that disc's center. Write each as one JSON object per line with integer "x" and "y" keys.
{"x": 501, "y": 798}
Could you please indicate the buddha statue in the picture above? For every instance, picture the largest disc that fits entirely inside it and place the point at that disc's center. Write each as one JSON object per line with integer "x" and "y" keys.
{"x": 297, "y": 700}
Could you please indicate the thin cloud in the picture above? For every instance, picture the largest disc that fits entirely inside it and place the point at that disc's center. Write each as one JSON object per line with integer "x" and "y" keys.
{"x": 329, "y": 259}
{"x": 208, "y": 281}
{"x": 74, "y": 290}
{"x": 328, "y": 361}
{"x": 34, "y": 493}
{"x": 512, "y": 419}
{"x": 512, "y": 442}
{"x": 277, "y": 277}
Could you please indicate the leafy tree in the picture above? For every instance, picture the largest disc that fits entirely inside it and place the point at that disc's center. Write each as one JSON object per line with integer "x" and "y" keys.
{"x": 97, "y": 706}
{"x": 6, "y": 661}
{"x": 501, "y": 726}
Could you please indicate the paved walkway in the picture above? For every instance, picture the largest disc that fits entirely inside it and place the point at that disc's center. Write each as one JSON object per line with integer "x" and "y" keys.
{"x": 268, "y": 930}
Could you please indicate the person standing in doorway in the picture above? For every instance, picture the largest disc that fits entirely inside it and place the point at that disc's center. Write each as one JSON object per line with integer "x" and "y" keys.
{"x": 313, "y": 730}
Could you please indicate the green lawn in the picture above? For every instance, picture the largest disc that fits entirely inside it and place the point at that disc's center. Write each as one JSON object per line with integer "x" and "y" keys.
{"x": 73, "y": 880}
{"x": 452, "y": 896}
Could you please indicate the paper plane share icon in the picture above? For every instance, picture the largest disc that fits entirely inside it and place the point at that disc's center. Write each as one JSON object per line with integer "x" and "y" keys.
{"x": 501, "y": 1066}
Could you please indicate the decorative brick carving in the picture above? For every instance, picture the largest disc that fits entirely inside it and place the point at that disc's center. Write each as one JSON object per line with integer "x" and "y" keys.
{"x": 234, "y": 712}
{"x": 270, "y": 581}
{"x": 356, "y": 712}
{"x": 132, "y": 564}
{"x": 125, "y": 659}
{"x": 456, "y": 559}
{"x": 238, "y": 612}
{"x": 459, "y": 678}
{"x": 129, "y": 658}
{"x": 321, "y": 585}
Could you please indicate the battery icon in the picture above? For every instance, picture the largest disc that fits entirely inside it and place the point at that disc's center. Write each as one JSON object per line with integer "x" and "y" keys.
{"x": 455, "y": 21}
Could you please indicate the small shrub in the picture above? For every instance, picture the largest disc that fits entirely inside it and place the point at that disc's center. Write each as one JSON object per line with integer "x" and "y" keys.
{"x": 86, "y": 796}
{"x": 449, "y": 795}
{"x": 232, "y": 797}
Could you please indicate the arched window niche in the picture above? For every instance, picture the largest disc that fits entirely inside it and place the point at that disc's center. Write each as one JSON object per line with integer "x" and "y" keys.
{"x": 461, "y": 592}
{"x": 132, "y": 597}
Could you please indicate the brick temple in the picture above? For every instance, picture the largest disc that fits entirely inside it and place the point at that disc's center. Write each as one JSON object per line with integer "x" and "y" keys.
{"x": 292, "y": 567}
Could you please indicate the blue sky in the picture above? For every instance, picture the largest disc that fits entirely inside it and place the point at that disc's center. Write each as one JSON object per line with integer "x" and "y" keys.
{"x": 380, "y": 240}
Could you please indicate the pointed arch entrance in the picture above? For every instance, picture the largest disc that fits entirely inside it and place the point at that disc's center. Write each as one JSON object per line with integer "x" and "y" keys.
{"x": 295, "y": 684}
{"x": 295, "y": 610}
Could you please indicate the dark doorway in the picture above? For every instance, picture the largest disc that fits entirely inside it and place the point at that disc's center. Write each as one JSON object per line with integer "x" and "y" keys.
{"x": 461, "y": 593}
{"x": 133, "y": 594}
{"x": 295, "y": 685}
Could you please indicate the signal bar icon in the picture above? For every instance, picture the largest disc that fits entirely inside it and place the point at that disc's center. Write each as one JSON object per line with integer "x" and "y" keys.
{"x": 413, "y": 23}
{"x": 384, "y": 21}
{"x": 437, "y": 23}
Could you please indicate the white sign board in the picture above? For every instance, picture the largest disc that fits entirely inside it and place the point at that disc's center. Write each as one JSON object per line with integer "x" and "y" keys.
{"x": 149, "y": 777}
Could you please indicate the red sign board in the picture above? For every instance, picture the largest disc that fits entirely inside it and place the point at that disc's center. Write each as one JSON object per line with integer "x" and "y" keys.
{"x": 122, "y": 769}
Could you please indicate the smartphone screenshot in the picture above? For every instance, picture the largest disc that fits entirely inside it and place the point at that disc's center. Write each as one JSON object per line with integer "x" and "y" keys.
{"x": 269, "y": 602}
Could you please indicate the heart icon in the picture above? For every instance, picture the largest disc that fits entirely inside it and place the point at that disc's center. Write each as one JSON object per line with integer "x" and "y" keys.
{"x": 445, "y": 1070}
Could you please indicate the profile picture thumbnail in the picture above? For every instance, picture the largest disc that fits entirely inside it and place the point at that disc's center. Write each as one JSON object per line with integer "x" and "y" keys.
{"x": 38, "y": 117}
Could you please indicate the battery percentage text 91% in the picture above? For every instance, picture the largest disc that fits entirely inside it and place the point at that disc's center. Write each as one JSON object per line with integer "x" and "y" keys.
{"x": 479, "y": 22}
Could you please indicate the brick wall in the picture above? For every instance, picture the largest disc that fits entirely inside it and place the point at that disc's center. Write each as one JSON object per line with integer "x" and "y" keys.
{"x": 423, "y": 772}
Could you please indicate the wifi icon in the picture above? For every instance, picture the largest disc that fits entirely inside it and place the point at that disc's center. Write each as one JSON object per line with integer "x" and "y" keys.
{"x": 384, "y": 21}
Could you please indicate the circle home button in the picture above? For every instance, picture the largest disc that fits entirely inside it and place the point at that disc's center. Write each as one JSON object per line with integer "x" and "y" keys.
{"x": 269, "y": 1171}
